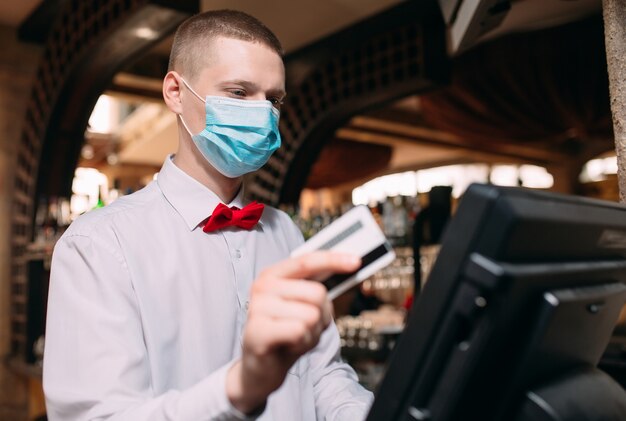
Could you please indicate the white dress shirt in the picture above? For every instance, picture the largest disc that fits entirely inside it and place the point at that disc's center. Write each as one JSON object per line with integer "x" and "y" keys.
{"x": 146, "y": 312}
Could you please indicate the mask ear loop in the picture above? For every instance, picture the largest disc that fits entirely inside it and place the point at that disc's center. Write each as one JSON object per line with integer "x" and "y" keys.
{"x": 185, "y": 125}
{"x": 191, "y": 89}
{"x": 181, "y": 114}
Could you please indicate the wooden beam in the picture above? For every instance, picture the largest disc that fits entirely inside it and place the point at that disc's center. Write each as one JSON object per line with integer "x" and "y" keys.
{"x": 126, "y": 84}
{"x": 370, "y": 128}
{"x": 615, "y": 41}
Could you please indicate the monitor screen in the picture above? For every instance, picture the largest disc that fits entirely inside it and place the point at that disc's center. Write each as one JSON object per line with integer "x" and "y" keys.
{"x": 517, "y": 311}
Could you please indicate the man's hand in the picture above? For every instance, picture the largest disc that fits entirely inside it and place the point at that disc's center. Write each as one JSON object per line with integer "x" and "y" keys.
{"x": 286, "y": 316}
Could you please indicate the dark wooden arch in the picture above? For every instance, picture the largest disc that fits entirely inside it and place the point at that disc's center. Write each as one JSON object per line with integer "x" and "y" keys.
{"x": 394, "y": 54}
{"x": 88, "y": 43}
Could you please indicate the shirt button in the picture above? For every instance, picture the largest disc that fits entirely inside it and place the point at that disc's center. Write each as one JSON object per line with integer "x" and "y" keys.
{"x": 237, "y": 254}
{"x": 247, "y": 304}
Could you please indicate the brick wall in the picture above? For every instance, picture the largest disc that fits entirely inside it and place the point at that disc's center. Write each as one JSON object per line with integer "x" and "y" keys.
{"x": 18, "y": 64}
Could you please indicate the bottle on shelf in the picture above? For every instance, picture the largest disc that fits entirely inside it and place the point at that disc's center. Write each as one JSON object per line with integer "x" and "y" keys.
{"x": 64, "y": 217}
{"x": 317, "y": 223}
{"x": 428, "y": 228}
{"x": 100, "y": 203}
{"x": 40, "y": 219}
{"x": 115, "y": 192}
{"x": 51, "y": 222}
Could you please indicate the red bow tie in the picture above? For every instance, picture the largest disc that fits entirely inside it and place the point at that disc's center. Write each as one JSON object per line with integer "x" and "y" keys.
{"x": 223, "y": 216}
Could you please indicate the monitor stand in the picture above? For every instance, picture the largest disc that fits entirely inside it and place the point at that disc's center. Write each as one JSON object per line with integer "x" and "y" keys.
{"x": 583, "y": 394}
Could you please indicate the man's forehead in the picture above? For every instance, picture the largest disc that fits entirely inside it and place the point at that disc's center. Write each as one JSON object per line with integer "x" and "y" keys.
{"x": 237, "y": 59}
{"x": 224, "y": 46}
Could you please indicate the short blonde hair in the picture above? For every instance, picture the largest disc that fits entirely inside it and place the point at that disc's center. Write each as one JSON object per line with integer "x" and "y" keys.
{"x": 194, "y": 35}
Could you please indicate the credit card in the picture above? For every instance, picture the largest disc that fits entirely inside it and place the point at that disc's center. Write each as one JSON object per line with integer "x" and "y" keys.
{"x": 354, "y": 232}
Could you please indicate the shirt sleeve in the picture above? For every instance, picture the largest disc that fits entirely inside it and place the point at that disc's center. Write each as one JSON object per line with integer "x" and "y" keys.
{"x": 338, "y": 395}
{"x": 96, "y": 366}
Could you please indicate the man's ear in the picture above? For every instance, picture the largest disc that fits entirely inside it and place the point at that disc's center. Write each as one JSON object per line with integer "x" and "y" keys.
{"x": 171, "y": 92}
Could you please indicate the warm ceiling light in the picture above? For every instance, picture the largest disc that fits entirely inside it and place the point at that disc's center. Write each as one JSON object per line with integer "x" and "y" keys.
{"x": 87, "y": 152}
{"x": 113, "y": 159}
{"x": 146, "y": 33}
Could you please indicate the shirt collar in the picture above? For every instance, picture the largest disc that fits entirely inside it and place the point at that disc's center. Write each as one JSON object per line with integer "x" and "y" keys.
{"x": 192, "y": 200}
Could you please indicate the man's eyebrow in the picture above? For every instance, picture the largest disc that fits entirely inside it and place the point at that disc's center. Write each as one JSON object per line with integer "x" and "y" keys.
{"x": 278, "y": 92}
{"x": 253, "y": 86}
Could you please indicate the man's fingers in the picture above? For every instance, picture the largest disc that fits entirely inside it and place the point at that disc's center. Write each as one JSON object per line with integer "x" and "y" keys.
{"x": 292, "y": 289}
{"x": 278, "y": 308}
{"x": 300, "y": 292}
{"x": 313, "y": 264}
{"x": 286, "y": 309}
{"x": 271, "y": 334}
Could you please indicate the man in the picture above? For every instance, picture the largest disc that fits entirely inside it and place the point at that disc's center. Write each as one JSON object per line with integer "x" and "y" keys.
{"x": 168, "y": 305}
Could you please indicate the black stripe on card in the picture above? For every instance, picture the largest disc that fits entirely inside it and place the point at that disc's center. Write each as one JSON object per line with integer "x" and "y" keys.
{"x": 366, "y": 260}
{"x": 342, "y": 236}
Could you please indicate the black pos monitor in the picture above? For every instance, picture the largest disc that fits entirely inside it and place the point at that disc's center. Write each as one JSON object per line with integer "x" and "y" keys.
{"x": 515, "y": 316}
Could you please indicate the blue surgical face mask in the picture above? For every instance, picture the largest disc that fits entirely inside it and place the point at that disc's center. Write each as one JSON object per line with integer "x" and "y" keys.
{"x": 239, "y": 135}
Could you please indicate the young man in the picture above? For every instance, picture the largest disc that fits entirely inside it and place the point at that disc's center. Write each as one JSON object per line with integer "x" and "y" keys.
{"x": 168, "y": 305}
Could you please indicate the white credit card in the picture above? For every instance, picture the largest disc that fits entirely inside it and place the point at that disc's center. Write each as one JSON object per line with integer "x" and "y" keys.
{"x": 354, "y": 232}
